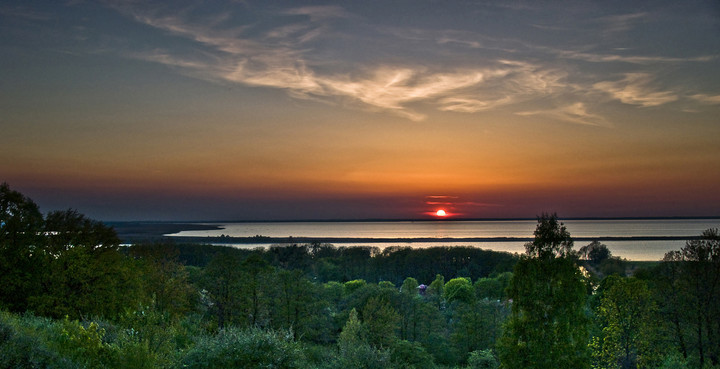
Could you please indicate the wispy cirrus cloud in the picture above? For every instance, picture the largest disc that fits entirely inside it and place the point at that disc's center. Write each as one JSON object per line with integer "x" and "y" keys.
{"x": 280, "y": 59}
{"x": 319, "y": 12}
{"x": 20, "y": 11}
{"x": 706, "y": 99}
{"x": 636, "y": 89}
{"x": 472, "y": 40}
{"x": 621, "y": 22}
{"x": 632, "y": 59}
{"x": 573, "y": 113}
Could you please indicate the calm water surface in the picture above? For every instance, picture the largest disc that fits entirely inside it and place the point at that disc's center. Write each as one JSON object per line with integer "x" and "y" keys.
{"x": 633, "y": 250}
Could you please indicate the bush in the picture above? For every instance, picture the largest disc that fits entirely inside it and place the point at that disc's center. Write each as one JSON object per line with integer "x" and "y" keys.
{"x": 24, "y": 350}
{"x": 246, "y": 348}
{"x": 362, "y": 356}
{"x": 674, "y": 361}
{"x": 411, "y": 355}
{"x": 354, "y": 285}
{"x": 482, "y": 359}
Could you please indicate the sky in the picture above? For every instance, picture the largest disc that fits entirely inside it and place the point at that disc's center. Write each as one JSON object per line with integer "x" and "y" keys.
{"x": 286, "y": 110}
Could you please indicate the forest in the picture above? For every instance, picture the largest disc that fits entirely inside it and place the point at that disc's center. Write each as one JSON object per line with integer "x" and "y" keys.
{"x": 72, "y": 297}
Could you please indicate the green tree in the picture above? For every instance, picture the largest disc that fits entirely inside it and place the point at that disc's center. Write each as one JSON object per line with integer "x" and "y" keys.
{"x": 409, "y": 308}
{"x": 298, "y": 306}
{"x": 627, "y": 317}
{"x": 477, "y": 326}
{"x": 256, "y": 283}
{"x": 380, "y": 321}
{"x": 595, "y": 251}
{"x": 493, "y": 288}
{"x": 548, "y": 326}
{"x": 410, "y": 355}
{"x": 86, "y": 273}
{"x": 165, "y": 279}
{"x": 222, "y": 284}
{"x": 436, "y": 291}
{"x": 459, "y": 289}
{"x": 482, "y": 359}
{"x": 350, "y": 335}
{"x": 433, "y": 333}
{"x": 354, "y": 285}
{"x": 551, "y": 239}
{"x": 354, "y": 350}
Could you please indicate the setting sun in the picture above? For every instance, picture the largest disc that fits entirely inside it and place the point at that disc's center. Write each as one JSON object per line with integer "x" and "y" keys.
{"x": 441, "y": 213}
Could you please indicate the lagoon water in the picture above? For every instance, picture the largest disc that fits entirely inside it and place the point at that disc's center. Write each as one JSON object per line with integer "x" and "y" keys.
{"x": 632, "y": 250}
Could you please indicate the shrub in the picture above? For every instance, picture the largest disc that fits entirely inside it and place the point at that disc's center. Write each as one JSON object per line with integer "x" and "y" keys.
{"x": 246, "y": 348}
{"x": 24, "y": 350}
{"x": 411, "y": 355}
{"x": 482, "y": 359}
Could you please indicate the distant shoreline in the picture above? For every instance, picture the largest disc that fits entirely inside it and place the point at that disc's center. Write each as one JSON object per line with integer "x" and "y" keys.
{"x": 304, "y": 240}
{"x": 428, "y": 219}
{"x": 138, "y": 232}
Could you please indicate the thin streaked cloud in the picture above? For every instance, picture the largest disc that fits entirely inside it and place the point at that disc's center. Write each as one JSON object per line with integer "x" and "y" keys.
{"x": 636, "y": 89}
{"x": 24, "y": 13}
{"x": 280, "y": 62}
{"x": 706, "y": 99}
{"x": 621, "y": 22}
{"x": 574, "y": 113}
{"x": 319, "y": 12}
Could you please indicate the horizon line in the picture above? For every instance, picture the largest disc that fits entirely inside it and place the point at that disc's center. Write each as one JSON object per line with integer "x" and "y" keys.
{"x": 458, "y": 219}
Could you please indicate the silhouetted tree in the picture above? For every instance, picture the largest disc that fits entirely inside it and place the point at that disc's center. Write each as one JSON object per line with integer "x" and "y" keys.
{"x": 695, "y": 291}
{"x": 596, "y": 252}
{"x": 222, "y": 284}
{"x": 21, "y": 256}
{"x": 551, "y": 239}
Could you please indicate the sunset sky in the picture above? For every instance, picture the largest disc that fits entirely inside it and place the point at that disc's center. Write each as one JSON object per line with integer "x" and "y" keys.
{"x": 255, "y": 110}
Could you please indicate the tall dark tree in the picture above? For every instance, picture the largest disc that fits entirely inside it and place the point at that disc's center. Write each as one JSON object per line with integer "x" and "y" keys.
{"x": 409, "y": 307}
{"x": 548, "y": 326}
{"x": 21, "y": 259}
{"x": 165, "y": 279}
{"x": 695, "y": 288}
{"x": 222, "y": 284}
{"x": 297, "y": 305}
{"x": 256, "y": 285}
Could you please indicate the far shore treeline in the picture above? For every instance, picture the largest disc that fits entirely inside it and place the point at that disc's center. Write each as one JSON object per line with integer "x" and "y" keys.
{"x": 72, "y": 297}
